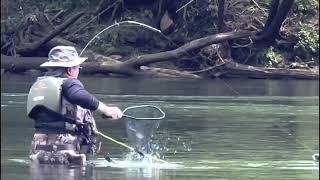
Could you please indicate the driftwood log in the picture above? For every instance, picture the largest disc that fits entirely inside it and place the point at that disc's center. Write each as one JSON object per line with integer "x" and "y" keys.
{"x": 228, "y": 69}
{"x": 132, "y": 67}
{"x": 27, "y": 47}
{"x": 37, "y": 31}
{"x": 233, "y": 69}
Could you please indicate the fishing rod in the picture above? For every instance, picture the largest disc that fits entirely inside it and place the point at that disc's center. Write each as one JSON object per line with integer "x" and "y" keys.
{"x": 118, "y": 24}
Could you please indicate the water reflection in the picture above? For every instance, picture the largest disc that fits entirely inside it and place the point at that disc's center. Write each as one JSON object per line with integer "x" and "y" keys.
{"x": 63, "y": 172}
{"x": 143, "y": 173}
{"x": 183, "y": 87}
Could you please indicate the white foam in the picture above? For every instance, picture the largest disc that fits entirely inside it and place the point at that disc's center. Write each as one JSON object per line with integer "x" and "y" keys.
{"x": 23, "y": 161}
{"x": 101, "y": 162}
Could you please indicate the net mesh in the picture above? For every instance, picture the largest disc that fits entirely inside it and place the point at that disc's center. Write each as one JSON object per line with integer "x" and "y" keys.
{"x": 141, "y": 123}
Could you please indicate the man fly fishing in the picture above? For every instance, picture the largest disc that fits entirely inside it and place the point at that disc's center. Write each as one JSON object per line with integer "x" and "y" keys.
{"x": 65, "y": 130}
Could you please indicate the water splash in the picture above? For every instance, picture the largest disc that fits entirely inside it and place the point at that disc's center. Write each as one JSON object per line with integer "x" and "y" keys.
{"x": 172, "y": 145}
{"x": 123, "y": 163}
{"x": 21, "y": 161}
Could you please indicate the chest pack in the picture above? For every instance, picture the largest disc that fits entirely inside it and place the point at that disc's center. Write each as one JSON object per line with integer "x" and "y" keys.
{"x": 45, "y": 93}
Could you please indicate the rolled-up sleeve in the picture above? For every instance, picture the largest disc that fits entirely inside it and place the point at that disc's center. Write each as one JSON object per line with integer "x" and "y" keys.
{"x": 74, "y": 91}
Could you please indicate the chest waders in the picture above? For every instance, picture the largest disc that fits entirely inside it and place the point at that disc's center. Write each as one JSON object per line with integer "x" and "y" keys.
{"x": 53, "y": 114}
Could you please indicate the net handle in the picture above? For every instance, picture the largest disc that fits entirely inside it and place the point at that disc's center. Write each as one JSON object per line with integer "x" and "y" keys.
{"x": 142, "y": 106}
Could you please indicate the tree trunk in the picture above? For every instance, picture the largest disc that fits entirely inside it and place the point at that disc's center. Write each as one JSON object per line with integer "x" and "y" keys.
{"x": 272, "y": 13}
{"x": 233, "y": 69}
{"x": 175, "y": 54}
{"x": 21, "y": 64}
{"x": 27, "y": 47}
{"x": 277, "y": 15}
{"x": 220, "y": 15}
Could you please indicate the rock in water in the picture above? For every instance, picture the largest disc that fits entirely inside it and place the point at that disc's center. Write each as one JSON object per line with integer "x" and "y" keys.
{"x": 315, "y": 157}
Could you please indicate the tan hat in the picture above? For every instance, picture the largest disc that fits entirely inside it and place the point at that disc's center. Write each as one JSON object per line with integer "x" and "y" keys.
{"x": 63, "y": 56}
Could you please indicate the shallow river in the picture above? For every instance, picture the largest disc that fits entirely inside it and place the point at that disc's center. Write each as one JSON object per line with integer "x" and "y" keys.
{"x": 217, "y": 129}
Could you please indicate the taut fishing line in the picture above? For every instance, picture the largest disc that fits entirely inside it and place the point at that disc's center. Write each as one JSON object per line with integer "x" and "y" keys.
{"x": 118, "y": 24}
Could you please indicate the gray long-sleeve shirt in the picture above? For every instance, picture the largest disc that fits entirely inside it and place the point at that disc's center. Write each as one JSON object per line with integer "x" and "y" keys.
{"x": 74, "y": 91}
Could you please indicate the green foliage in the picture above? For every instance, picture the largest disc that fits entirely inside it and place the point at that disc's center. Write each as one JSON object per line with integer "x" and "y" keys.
{"x": 269, "y": 57}
{"x": 308, "y": 38}
{"x": 29, "y": 6}
{"x": 308, "y": 5}
{"x": 272, "y": 57}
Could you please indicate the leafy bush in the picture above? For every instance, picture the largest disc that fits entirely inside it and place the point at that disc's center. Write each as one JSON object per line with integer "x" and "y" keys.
{"x": 308, "y": 5}
{"x": 272, "y": 57}
{"x": 269, "y": 57}
{"x": 309, "y": 38}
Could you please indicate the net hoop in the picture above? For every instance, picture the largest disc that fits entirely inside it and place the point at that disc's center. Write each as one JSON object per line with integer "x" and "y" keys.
{"x": 142, "y": 118}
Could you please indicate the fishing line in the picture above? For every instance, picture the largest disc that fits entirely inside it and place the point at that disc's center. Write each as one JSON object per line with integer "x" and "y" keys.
{"x": 118, "y": 24}
{"x": 128, "y": 147}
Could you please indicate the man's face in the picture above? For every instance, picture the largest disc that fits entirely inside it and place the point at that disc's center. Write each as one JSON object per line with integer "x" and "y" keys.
{"x": 73, "y": 72}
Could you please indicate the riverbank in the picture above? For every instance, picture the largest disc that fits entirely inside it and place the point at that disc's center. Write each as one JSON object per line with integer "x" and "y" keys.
{"x": 31, "y": 65}
{"x": 200, "y": 39}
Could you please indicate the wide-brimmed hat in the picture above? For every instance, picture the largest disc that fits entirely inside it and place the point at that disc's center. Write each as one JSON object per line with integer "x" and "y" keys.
{"x": 63, "y": 56}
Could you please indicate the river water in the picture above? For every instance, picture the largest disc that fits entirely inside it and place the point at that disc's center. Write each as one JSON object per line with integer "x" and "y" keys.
{"x": 214, "y": 129}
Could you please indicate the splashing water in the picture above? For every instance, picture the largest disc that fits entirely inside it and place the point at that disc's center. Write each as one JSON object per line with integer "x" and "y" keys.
{"x": 181, "y": 144}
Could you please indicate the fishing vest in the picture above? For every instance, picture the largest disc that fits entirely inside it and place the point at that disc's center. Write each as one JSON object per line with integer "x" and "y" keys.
{"x": 51, "y": 111}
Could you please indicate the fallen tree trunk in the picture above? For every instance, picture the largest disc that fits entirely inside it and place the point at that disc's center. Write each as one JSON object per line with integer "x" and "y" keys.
{"x": 27, "y": 47}
{"x": 228, "y": 69}
{"x": 233, "y": 69}
{"x": 132, "y": 66}
{"x": 21, "y": 64}
{"x": 175, "y": 54}
{"x": 93, "y": 66}
{"x": 137, "y": 66}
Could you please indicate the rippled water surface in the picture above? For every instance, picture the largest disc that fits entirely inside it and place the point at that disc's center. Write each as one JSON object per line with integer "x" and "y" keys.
{"x": 213, "y": 130}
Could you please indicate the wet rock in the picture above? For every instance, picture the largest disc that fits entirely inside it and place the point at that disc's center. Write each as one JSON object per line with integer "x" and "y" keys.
{"x": 315, "y": 157}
